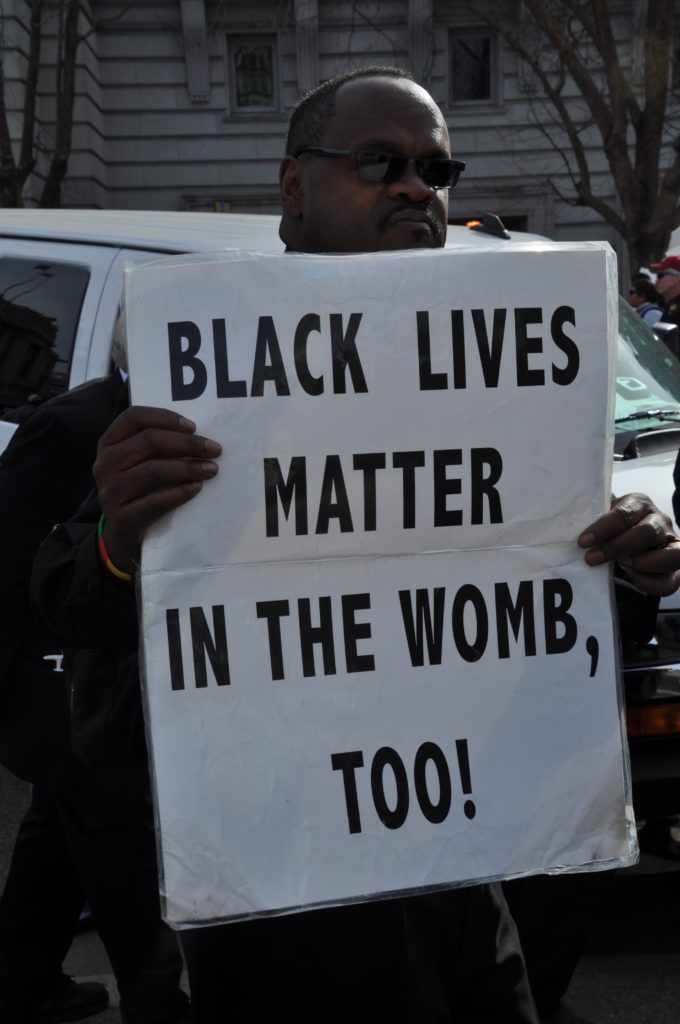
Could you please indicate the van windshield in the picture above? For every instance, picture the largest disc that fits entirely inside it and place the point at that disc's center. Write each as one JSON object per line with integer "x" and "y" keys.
{"x": 647, "y": 377}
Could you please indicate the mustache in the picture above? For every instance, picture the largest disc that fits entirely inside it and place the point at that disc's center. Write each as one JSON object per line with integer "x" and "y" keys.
{"x": 424, "y": 207}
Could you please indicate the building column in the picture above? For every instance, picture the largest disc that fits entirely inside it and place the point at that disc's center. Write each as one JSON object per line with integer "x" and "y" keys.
{"x": 196, "y": 50}
{"x": 307, "y": 43}
{"x": 420, "y": 39}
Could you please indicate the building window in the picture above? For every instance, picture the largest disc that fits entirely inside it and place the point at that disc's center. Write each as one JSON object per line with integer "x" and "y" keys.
{"x": 253, "y": 74}
{"x": 472, "y": 67}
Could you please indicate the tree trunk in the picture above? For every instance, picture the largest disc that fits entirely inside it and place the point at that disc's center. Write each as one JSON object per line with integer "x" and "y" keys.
{"x": 66, "y": 79}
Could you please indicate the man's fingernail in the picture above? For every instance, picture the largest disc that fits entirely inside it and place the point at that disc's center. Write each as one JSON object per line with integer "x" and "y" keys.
{"x": 626, "y": 561}
{"x": 586, "y": 540}
{"x": 595, "y": 558}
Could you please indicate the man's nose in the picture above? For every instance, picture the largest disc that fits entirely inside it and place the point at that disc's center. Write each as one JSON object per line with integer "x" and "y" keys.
{"x": 411, "y": 185}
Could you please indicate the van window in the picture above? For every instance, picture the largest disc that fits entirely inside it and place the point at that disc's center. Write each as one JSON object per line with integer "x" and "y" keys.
{"x": 648, "y": 375}
{"x": 647, "y": 380}
{"x": 40, "y": 305}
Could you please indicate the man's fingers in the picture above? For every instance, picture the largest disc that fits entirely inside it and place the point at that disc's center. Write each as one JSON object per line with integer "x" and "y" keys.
{"x": 625, "y": 513}
{"x": 150, "y": 444}
{"x": 149, "y": 462}
{"x": 135, "y": 518}
{"x": 149, "y": 477}
{"x": 633, "y": 525}
{"x": 647, "y": 535}
{"x": 637, "y": 535}
{"x": 661, "y": 562}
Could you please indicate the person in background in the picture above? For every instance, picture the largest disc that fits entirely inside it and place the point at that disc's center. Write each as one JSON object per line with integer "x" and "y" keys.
{"x": 645, "y": 300}
{"x": 668, "y": 286}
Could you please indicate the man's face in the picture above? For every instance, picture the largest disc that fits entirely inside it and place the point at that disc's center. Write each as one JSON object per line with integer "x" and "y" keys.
{"x": 667, "y": 285}
{"x": 334, "y": 210}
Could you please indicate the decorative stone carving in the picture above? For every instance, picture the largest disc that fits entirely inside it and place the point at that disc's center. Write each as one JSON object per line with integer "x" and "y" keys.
{"x": 196, "y": 50}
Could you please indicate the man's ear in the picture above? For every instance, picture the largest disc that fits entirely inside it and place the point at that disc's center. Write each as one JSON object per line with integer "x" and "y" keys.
{"x": 290, "y": 181}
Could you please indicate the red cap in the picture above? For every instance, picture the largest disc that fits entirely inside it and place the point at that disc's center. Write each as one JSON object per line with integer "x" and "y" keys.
{"x": 667, "y": 263}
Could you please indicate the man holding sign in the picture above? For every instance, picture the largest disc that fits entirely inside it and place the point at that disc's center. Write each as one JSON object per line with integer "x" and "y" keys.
{"x": 367, "y": 170}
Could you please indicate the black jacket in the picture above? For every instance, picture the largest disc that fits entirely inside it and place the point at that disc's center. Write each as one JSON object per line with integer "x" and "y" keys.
{"x": 45, "y": 474}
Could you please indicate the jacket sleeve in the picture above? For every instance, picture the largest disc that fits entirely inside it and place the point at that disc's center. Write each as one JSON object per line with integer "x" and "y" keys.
{"x": 77, "y": 601}
{"x": 36, "y": 488}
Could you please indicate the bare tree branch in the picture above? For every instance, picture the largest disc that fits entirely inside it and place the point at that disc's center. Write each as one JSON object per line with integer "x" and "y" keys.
{"x": 26, "y": 154}
{"x": 110, "y": 20}
{"x": 14, "y": 173}
{"x": 66, "y": 79}
{"x": 575, "y": 45}
{"x": 7, "y": 165}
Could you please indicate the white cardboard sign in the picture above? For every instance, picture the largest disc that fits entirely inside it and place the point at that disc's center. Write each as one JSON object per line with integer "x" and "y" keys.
{"x": 375, "y": 659}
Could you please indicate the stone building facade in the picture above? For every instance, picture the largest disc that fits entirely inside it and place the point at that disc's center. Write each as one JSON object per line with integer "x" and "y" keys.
{"x": 182, "y": 104}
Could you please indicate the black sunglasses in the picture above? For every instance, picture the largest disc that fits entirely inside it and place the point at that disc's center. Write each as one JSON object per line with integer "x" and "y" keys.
{"x": 383, "y": 168}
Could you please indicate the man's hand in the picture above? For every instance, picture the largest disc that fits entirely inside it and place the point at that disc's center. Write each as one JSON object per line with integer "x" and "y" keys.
{"x": 637, "y": 535}
{"x": 149, "y": 462}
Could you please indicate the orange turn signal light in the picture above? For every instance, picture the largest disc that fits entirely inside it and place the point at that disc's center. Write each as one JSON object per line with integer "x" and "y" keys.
{"x": 472, "y": 223}
{"x": 653, "y": 720}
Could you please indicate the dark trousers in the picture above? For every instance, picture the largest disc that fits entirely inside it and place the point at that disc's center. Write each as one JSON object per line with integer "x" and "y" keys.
{"x": 466, "y": 960}
{"x": 447, "y": 957}
{"x": 104, "y": 842}
{"x": 40, "y": 905}
{"x": 554, "y": 915}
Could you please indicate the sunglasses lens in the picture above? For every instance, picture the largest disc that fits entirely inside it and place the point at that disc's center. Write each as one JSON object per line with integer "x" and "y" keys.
{"x": 438, "y": 173}
{"x": 386, "y": 168}
{"x": 378, "y": 167}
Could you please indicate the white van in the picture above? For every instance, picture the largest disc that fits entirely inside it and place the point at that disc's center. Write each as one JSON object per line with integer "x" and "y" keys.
{"x": 60, "y": 286}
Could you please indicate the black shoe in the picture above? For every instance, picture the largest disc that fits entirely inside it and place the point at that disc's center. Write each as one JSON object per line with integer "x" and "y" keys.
{"x": 71, "y": 1001}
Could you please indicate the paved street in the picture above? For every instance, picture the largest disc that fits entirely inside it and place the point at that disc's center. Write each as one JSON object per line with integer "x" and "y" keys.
{"x": 630, "y": 975}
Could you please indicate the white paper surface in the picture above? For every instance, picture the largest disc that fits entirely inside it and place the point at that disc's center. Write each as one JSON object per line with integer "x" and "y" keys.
{"x": 459, "y": 468}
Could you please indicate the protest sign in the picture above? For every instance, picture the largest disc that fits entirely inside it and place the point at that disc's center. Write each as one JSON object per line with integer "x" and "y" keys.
{"x": 375, "y": 659}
